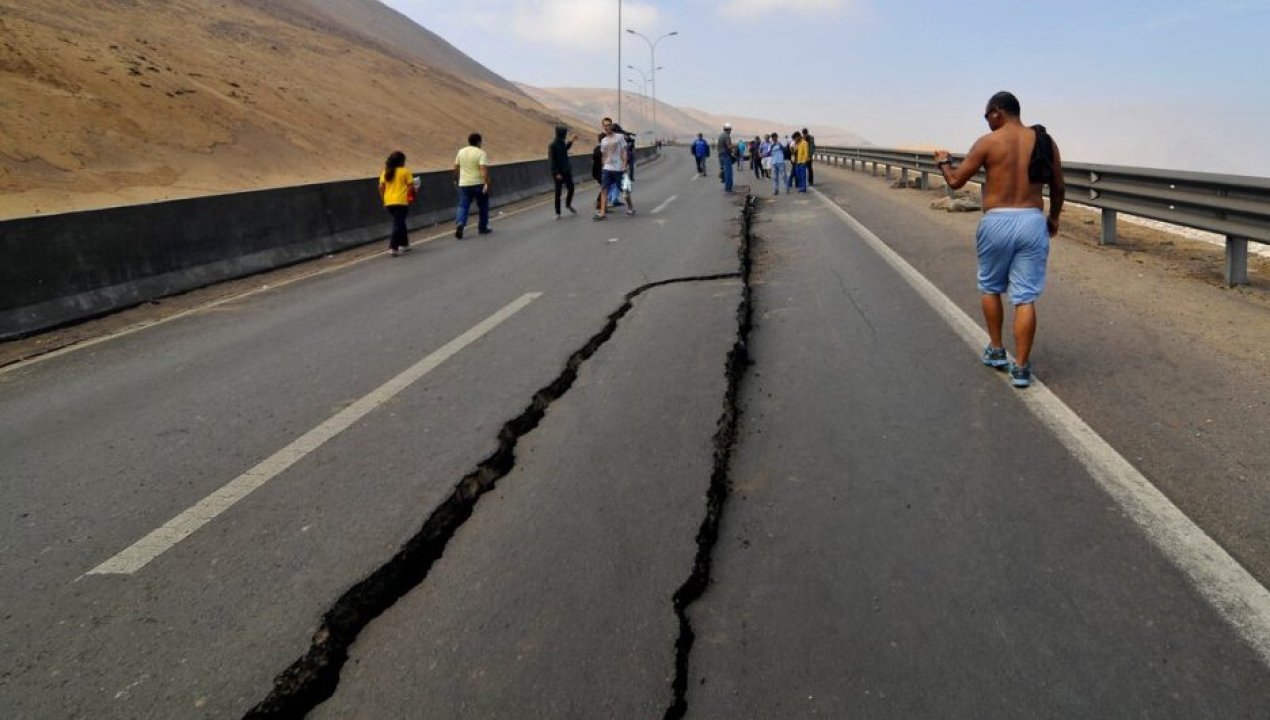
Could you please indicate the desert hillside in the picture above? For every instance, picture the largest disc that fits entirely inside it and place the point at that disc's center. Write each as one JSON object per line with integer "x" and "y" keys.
{"x": 106, "y": 102}
{"x": 673, "y": 122}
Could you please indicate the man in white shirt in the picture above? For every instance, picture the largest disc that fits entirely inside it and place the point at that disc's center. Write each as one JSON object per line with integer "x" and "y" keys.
{"x": 471, "y": 177}
{"x": 613, "y": 152}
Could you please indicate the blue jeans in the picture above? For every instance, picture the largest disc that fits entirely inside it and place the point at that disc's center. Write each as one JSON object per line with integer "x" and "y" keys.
{"x": 467, "y": 193}
{"x": 800, "y": 176}
{"x": 779, "y": 176}
{"x": 725, "y": 164}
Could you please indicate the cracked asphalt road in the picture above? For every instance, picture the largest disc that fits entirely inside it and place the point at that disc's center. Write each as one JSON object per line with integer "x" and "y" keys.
{"x": 104, "y": 445}
{"x": 901, "y": 539}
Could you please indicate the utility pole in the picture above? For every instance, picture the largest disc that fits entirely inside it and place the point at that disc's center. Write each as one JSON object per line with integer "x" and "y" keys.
{"x": 619, "y": 62}
{"x": 652, "y": 63}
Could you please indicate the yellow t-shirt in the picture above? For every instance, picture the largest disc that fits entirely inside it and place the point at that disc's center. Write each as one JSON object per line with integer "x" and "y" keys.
{"x": 470, "y": 161}
{"x": 802, "y": 152}
{"x": 395, "y": 192}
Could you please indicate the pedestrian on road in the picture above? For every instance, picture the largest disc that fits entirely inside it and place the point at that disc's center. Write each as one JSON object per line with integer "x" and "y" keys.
{"x": 628, "y": 177}
{"x": 742, "y": 152}
{"x": 756, "y": 157}
{"x": 801, "y": 154}
{"x": 765, "y": 156}
{"x": 471, "y": 177}
{"x": 789, "y": 156}
{"x": 701, "y": 151}
{"x": 727, "y": 153}
{"x": 811, "y": 156}
{"x": 1013, "y": 238}
{"x": 613, "y": 155}
{"x": 597, "y": 169}
{"x": 778, "y": 165}
{"x": 397, "y": 186}
{"x": 561, "y": 168}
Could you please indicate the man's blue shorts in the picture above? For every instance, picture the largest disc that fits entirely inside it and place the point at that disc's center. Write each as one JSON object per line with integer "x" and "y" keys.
{"x": 1013, "y": 245}
{"x": 610, "y": 178}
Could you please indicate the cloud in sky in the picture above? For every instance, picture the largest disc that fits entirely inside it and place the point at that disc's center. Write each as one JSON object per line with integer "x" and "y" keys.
{"x": 747, "y": 9}
{"x": 587, "y": 25}
{"x": 1203, "y": 11}
{"x": 583, "y": 24}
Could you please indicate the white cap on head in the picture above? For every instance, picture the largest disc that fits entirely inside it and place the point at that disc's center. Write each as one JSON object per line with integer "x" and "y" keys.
{"x": 727, "y": 126}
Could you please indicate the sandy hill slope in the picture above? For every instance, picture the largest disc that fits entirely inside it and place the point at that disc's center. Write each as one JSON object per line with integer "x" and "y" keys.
{"x": 116, "y": 101}
{"x": 674, "y": 122}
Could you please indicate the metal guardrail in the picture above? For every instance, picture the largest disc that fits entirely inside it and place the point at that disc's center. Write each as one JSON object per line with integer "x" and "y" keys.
{"x": 1232, "y": 205}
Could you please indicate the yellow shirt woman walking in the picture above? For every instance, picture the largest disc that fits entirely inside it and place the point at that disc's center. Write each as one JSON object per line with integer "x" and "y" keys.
{"x": 396, "y": 187}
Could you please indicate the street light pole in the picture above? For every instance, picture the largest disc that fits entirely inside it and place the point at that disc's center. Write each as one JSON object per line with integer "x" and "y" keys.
{"x": 619, "y": 62}
{"x": 652, "y": 57}
{"x": 646, "y": 79}
{"x": 641, "y": 91}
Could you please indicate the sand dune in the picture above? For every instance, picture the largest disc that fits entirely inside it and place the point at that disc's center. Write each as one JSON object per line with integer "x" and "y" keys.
{"x": 120, "y": 102}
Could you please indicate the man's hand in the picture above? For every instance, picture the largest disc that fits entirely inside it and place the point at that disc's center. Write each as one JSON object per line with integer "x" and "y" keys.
{"x": 1051, "y": 223}
{"x": 485, "y": 189}
{"x": 942, "y": 156}
{"x": 559, "y": 177}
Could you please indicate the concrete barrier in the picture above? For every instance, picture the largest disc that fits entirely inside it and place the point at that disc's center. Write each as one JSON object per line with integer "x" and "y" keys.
{"x": 60, "y": 269}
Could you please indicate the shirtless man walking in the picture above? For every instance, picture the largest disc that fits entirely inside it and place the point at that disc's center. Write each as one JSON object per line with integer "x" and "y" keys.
{"x": 1012, "y": 241}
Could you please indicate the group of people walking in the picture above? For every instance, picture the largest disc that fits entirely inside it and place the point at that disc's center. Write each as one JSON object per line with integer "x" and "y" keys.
{"x": 1012, "y": 241}
{"x": 768, "y": 157}
{"x": 398, "y": 188}
{"x": 612, "y": 166}
{"x": 787, "y": 162}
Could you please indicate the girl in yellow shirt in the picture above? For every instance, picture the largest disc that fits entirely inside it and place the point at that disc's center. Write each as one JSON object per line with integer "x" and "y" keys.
{"x": 396, "y": 185}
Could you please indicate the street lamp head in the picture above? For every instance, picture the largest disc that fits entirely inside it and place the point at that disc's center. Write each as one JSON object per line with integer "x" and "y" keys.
{"x": 631, "y": 31}
{"x": 676, "y": 32}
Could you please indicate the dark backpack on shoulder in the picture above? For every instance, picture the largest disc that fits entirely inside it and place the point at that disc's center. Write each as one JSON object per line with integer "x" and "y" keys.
{"x": 1040, "y": 169}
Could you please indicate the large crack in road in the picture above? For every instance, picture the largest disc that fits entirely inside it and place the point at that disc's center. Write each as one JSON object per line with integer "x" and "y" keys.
{"x": 315, "y": 675}
{"x": 717, "y": 493}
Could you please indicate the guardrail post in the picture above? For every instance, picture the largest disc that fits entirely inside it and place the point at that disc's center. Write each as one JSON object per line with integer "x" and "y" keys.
{"x": 924, "y": 182}
{"x": 874, "y": 170}
{"x": 888, "y": 172}
{"x": 1108, "y": 227}
{"x": 1236, "y": 260}
{"x": 904, "y": 177}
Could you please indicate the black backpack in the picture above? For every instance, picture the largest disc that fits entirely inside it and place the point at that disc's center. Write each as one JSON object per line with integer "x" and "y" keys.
{"x": 1040, "y": 169}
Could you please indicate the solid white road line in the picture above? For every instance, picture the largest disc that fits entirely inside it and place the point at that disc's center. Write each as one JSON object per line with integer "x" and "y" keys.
{"x": 182, "y": 526}
{"x": 665, "y": 202}
{"x": 1220, "y": 579}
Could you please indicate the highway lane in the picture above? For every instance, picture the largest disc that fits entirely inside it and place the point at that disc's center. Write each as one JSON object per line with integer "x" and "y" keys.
{"x": 104, "y": 445}
{"x": 554, "y": 600}
{"x": 905, "y": 539}
{"x": 1172, "y": 371}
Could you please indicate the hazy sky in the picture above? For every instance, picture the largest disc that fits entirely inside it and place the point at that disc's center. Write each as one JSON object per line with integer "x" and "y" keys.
{"x": 1160, "y": 83}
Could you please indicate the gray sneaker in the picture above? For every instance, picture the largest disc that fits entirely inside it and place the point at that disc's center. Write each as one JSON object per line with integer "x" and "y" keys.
{"x": 995, "y": 358}
{"x": 1021, "y": 375}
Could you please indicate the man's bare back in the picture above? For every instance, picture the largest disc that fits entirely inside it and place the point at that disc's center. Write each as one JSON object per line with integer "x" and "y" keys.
{"x": 1004, "y": 154}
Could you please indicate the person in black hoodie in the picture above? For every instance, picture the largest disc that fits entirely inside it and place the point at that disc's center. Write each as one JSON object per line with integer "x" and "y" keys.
{"x": 561, "y": 169}
{"x": 597, "y": 170}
